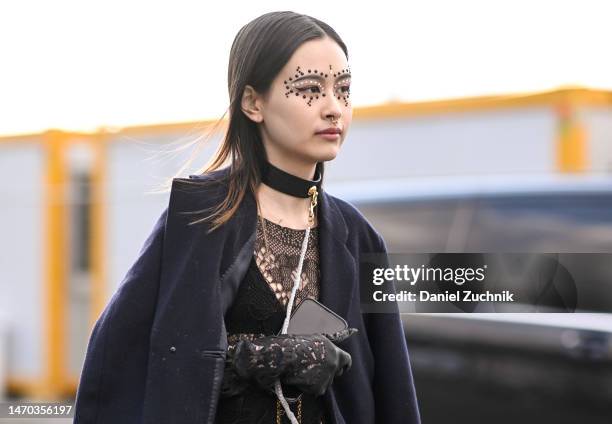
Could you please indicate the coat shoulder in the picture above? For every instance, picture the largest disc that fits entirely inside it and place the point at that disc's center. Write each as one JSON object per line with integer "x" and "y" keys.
{"x": 199, "y": 190}
{"x": 218, "y": 175}
{"x": 219, "y": 178}
{"x": 358, "y": 224}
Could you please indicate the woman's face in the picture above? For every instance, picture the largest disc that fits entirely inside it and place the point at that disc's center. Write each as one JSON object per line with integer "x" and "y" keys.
{"x": 310, "y": 94}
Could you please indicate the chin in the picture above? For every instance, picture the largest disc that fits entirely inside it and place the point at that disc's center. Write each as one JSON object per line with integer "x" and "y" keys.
{"x": 321, "y": 152}
{"x": 326, "y": 154}
{"x": 328, "y": 158}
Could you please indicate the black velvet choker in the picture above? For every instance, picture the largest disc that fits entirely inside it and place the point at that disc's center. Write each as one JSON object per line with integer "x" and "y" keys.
{"x": 289, "y": 183}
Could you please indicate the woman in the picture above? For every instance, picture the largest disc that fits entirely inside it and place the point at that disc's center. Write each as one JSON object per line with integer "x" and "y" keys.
{"x": 195, "y": 333}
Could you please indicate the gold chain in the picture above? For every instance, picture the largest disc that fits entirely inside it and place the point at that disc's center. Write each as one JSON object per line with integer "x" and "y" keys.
{"x": 263, "y": 229}
{"x": 313, "y": 193}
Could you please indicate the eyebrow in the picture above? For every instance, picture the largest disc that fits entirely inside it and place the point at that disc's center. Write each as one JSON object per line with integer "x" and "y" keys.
{"x": 319, "y": 77}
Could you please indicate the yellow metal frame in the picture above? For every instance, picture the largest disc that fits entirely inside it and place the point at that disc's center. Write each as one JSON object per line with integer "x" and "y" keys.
{"x": 56, "y": 272}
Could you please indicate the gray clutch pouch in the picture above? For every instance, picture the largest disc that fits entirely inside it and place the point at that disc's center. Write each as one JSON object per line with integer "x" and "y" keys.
{"x": 311, "y": 317}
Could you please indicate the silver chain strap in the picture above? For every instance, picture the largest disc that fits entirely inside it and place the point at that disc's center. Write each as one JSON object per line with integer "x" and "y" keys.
{"x": 313, "y": 194}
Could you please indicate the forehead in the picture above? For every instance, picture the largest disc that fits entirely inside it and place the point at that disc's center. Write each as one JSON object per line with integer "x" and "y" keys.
{"x": 317, "y": 55}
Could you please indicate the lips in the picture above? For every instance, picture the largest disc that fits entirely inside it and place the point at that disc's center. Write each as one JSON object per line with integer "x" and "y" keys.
{"x": 330, "y": 131}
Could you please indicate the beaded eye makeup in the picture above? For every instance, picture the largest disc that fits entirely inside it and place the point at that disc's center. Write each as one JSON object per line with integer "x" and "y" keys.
{"x": 306, "y": 84}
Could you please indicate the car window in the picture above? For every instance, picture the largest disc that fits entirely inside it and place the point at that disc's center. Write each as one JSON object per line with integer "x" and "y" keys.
{"x": 419, "y": 227}
{"x": 570, "y": 223}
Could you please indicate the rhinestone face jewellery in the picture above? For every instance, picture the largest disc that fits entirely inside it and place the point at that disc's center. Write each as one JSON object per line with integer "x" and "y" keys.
{"x": 307, "y": 86}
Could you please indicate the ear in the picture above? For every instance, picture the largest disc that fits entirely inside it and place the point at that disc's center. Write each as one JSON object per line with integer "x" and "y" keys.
{"x": 251, "y": 104}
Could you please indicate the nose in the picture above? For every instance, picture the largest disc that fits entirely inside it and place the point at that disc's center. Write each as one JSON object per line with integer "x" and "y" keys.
{"x": 332, "y": 108}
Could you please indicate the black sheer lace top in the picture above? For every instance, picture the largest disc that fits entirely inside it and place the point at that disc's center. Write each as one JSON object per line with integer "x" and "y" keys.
{"x": 259, "y": 310}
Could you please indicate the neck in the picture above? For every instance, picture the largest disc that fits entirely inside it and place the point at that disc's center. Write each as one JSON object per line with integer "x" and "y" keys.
{"x": 305, "y": 170}
{"x": 282, "y": 208}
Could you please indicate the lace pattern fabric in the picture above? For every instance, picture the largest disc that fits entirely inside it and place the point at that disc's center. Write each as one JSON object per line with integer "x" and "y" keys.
{"x": 278, "y": 265}
{"x": 277, "y": 268}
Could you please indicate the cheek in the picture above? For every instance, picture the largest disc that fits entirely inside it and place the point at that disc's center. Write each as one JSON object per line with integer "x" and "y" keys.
{"x": 293, "y": 120}
{"x": 297, "y": 112}
{"x": 347, "y": 117}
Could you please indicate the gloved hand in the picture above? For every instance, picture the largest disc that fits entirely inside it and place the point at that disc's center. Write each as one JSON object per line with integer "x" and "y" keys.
{"x": 315, "y": 376}
{"x": 309, "y": 362}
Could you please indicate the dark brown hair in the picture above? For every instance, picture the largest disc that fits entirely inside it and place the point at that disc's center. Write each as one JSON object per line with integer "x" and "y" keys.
{"x": 259, "y": 51}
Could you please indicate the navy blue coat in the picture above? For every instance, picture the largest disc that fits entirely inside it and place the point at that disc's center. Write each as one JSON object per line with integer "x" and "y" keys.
{"x": 156, "y": 353}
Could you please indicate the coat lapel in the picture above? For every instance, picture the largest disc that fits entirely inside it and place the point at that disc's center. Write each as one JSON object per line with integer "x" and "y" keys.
{"x": 338, "y": 266}
{"x": 245, "y": 220}
{"x": 338, "y": 275}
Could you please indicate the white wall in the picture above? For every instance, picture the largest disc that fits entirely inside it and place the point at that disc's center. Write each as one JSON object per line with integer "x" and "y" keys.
{"x": 21, "y": 254}
{"x": 598, "y": 123}
{"x": 520, "y": 140}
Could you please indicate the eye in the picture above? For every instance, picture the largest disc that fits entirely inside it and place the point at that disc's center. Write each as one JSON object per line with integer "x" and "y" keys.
{"x": 345, "y": 88}
{"x": 312, "y": 89}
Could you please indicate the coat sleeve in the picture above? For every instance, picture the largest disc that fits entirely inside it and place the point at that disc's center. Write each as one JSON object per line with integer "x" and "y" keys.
{"x": 112, "y": 383}
{"x": 394, "y": 391}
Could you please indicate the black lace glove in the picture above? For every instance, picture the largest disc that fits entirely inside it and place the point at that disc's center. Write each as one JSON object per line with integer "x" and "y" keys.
{"x": 310, "y": 362}
{"x": 233, "y": 384}
{"x": 312, "y": 375}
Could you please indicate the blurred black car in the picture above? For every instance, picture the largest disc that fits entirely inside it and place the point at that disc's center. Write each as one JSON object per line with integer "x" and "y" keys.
{"x": 504, "y": 368}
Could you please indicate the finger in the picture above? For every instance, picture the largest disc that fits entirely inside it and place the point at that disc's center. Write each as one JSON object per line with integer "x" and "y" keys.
{"x": 344, "y": 361}
{"x": 340, "y": 336}
{"x": 340, "y": 371}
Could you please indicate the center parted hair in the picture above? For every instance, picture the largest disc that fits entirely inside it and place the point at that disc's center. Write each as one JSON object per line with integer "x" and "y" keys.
{"x": 259, "y": 51}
